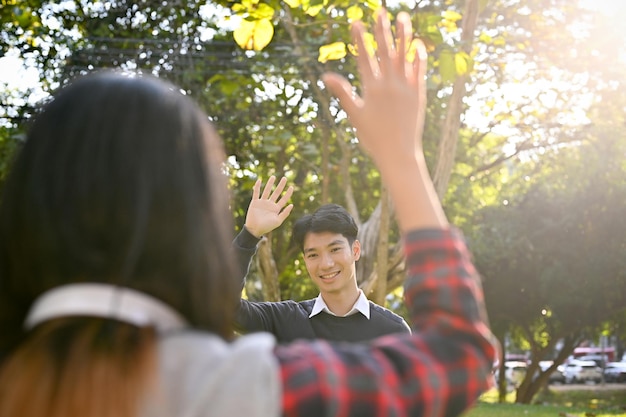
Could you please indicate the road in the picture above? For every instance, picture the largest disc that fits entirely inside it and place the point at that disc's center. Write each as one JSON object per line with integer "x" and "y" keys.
{"x": 589, "y": 386}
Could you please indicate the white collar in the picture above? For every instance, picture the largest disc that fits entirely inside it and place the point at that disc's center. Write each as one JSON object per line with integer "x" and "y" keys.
{"x": 362, "y": 305}
{"x": 104, "y": 300}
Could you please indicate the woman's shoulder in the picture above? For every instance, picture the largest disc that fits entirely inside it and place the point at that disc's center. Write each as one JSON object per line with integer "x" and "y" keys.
{"x": 202, "y": 374}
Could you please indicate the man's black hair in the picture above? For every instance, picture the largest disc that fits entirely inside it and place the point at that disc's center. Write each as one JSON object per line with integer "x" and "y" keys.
{"x": 328, "y": 218}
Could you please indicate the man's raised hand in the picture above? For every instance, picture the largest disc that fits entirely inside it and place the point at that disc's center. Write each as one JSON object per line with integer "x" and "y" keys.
{"x": 268, "y": 210}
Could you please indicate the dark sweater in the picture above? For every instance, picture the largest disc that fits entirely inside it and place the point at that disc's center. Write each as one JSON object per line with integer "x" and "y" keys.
{"x": 289, "y": 320}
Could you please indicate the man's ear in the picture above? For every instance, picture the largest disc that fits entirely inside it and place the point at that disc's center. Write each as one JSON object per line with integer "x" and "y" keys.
{"x": 356, "y": 250}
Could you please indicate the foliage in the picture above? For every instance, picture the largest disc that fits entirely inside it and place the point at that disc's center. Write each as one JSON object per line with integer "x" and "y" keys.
{"x": 9, "y": 143}
{"x": 561, "y": 253}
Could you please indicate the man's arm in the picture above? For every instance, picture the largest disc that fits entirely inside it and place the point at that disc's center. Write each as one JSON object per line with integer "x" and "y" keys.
{"x": 244, "y": 247}
{"x": 267, "y": 211}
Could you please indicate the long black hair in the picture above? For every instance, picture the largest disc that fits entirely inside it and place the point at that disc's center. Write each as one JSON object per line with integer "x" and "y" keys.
{"x": 119, "y": 181}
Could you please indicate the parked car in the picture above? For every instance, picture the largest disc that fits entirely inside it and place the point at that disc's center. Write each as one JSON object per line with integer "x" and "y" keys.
{"x": 515, "y": 357}
{"x": 598, "y": 359}
{"x": 582, "y": 371}
{"x": 556, "y": 376}
{"x": 615, "y": 372}
{"x": 514, "y": 372}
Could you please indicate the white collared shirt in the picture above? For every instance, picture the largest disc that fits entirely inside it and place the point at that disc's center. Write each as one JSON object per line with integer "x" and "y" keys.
{"x": 362, "y": 305}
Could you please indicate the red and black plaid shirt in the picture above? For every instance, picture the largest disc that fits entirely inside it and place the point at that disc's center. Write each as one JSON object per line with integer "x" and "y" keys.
{"x": 440, "y": 370}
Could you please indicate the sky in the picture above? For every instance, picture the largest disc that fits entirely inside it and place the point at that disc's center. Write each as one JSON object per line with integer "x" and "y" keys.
{"x": 608, "y": 7}
{"x": 13, "y": 72}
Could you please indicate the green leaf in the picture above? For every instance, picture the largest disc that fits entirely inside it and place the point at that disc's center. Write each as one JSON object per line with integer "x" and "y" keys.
{"x": 447, "y": 66}
{"x": 313, "y": 10}
{"x": 463, "y": 63}
{"x": 229, "y": 87}
{"x": 485, "y": 38}
{"x": 370, "y": 44}
{"x": 452, "y": 16}
{"x": 254, "y": 35}
{"x": 412, "y": 51}
{"x": 354, "y": 13}
{"x": 332, "y": 51}
{"x": 270, "y": 148}
{"x": 309, "y": 149}
{"x": 373, "y": 4}
{"x": 313, "y": 7}
{"x": 432, "y": 19}
{"x": 262, "y": 11}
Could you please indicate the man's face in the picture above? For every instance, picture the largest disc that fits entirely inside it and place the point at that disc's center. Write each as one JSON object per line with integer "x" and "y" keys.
{"x": 330, "y": 261}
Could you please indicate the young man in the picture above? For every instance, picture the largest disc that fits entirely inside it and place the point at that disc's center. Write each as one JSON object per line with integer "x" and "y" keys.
{"x": 327, "y": 239}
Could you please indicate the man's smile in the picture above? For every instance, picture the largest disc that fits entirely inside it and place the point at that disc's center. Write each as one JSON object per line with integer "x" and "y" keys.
{"x": 329, "y": 275}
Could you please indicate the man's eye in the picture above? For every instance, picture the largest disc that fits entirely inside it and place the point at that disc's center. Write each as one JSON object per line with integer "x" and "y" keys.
{"x": 310, "y": 256}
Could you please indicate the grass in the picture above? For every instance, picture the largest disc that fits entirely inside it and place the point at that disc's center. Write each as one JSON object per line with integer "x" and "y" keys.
{"x": 556, "y": 403}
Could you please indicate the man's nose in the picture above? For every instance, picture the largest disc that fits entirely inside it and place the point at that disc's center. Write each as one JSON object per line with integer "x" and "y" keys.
{"x": 327, "y": 260}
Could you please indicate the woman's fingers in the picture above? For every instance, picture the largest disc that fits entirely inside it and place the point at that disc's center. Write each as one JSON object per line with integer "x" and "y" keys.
{"x": 366, "y": 63}
{"x": 342, "y": 89}
{"x": 386, "y": 52}
{"x": 404, "y": 34}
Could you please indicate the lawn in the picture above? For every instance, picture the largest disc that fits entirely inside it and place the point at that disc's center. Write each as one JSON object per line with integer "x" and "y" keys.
{"x": 607, "y": 402}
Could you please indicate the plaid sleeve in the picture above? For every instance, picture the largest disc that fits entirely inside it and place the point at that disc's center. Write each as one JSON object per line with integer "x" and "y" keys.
{"x": 439, "y": 370}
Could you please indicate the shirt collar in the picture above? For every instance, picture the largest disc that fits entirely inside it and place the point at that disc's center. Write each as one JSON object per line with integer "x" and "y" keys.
{"x": 362, "y": 305}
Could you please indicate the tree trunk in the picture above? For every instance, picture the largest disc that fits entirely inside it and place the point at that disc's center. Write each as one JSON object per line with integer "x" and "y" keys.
{"x": 268, "y": 273}
{"x": 382, "y": 252}
{"x": 450, "y": 128}
{"x": 368, "y": 236}
{"x": 502, "y": 383}
{"x": 531, "y": 386}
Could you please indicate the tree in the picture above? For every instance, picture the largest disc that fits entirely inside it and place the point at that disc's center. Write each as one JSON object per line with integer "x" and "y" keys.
{"x": 553, "y": 260}
{"x": 338, "y": 154}
{"x": 258, "y": 79}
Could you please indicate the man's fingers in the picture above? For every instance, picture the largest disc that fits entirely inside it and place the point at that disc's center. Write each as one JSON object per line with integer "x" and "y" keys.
{"x": 285, "y": 213}
{"x": 256, "y": 190}
{"x": 283, "y": 200}
{"x": 268, "y": 188}
{"x": 279, "y": 189}
{"x": 276, "y": 195}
